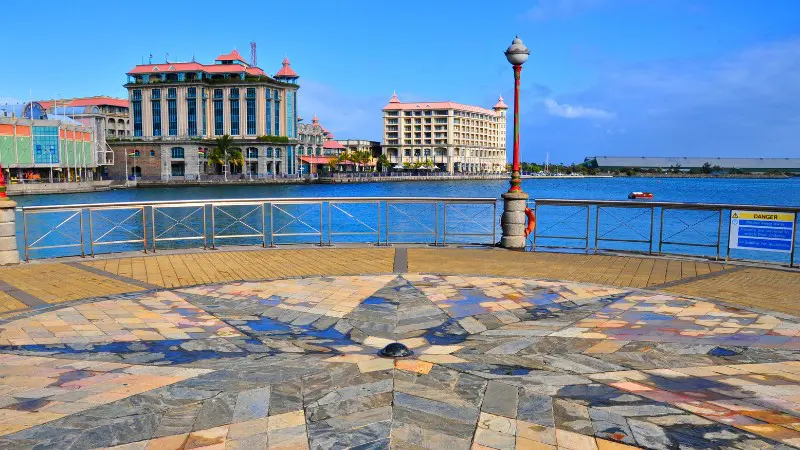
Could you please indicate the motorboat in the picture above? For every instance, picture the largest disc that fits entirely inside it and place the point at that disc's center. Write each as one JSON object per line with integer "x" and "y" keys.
{"x": 636, "y": 195}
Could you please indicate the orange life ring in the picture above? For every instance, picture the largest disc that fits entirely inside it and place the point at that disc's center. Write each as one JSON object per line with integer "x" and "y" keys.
{"x": 531, "y": 221}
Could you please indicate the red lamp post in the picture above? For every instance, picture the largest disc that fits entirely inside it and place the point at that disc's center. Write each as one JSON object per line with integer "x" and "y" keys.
{"x": 516, "y": 54}
{"x": 2, "y": 184}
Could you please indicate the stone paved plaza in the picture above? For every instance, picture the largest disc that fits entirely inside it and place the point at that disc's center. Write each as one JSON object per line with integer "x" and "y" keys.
{"x": 498, "y": 362}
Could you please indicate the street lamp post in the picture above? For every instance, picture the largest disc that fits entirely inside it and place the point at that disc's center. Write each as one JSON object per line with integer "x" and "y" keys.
{"x": 515, "y": 201}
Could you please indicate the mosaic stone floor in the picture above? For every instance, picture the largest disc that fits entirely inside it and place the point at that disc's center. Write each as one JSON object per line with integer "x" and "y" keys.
{"x": 498, "y": 363}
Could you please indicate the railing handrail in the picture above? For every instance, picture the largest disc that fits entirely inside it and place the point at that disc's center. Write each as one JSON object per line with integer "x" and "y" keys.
{"x": 670, "y": 205}
{"x": 255, "y": 200}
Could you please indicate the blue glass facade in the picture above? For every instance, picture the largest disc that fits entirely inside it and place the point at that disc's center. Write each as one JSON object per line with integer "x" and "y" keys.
{"x": 219, "y": 120}
{"x": 172, "y": 110}
{"x": 234, "y": 99}
{"x": 251, "y": 111}
{"x": 137, "y": 113}
{"x": 45, "y": 145}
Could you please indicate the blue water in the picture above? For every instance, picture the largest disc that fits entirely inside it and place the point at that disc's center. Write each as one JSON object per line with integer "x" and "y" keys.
{"x": 698, "y": 190}
{"x": 631, "y": 224}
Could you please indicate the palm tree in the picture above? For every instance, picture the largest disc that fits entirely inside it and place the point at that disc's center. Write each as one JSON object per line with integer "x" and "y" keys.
{"x": 333, "y": 163}
{"x": 383, "y": 161}
{"x": 224, "y": 152}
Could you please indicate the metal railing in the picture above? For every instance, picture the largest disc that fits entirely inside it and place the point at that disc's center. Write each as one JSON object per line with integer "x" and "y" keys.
{"x": 688, "y": 229}
{"x": 89, "y": 229}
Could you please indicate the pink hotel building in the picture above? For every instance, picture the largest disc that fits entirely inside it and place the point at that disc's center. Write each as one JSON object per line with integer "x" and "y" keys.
{"x": 455, "y": 137}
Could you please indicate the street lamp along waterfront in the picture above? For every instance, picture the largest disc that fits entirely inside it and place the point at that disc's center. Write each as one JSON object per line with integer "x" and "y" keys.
{"x": 515, "y": 201}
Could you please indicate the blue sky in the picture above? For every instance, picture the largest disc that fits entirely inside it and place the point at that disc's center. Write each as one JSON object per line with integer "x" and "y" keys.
{"x": 605, "y": 77}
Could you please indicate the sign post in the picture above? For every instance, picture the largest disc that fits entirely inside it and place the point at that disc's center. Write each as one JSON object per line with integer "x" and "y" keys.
{"x": 766, "y": 231}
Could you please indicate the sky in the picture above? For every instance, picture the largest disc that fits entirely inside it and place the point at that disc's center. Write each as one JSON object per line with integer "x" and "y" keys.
{"x": 605, "y": 77}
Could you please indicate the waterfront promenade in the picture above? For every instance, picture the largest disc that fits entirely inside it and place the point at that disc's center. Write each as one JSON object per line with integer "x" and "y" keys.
{"x": 276, "y": 348}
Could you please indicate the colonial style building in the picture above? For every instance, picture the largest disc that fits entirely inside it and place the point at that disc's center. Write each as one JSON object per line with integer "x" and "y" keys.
{"x": 454, "y": 137}
{"x": 177, "y": 109}
{"x": 316, "y": 147}
{"x": 112, "y": 113}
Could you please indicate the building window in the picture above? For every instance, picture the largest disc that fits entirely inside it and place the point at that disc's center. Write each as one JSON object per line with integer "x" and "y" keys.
{"x": 427, "y": 152}
{"x": 277, "y": 153}
{"x": 234, "y": 93}
{"x": 218, "y": 93}
{"x": 172, "y": 93}
{"x": 251, "y": 92}
{"x": 269, "y": 152}
{"x": 277, "y": 113}
{"x": 172, "y": 112}
{"x": 251, "y": 114}
{"x": 178, "y": 169}
{"x": 235, "y": 117}
{"x": 191, "y": 106}
{"x": 137, "y": 116}
{"x": 156, "y": 105}
{"x": 205, "y": 129}
{"x": 408, "y": 152}
{"x": 155, "y": 94}
{"x": 218, "y": 120}
{"x": 191, "y": 92}
{"x": 152, "y": 153}
{"x": 392, "y": 113}
{"x": 137, "y": 94}
{"x": 177, "y": 153}
{"x": 252, "y": 152}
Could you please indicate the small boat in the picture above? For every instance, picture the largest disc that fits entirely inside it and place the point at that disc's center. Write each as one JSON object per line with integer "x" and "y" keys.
{"x": 635, "y": 195}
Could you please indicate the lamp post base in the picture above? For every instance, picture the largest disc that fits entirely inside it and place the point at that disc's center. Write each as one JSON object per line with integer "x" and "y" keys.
{"x": 513, "y": 220}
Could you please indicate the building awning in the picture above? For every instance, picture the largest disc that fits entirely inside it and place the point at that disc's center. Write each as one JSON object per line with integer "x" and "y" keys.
{"x": 315, "y": 159}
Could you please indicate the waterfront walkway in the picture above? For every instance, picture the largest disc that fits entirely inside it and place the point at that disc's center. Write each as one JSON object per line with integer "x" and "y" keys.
{"x": 277, "y": 348}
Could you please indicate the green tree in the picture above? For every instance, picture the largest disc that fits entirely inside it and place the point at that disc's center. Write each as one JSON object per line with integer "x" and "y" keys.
{"x": 383, "y": 162}
{"x": 706, "y": 169}
{"x": 333, "y": 163}
{"x": 224, "y": 153}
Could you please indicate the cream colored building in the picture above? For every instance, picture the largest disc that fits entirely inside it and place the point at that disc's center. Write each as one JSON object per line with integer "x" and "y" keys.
{"x": 457, "y": 138}
{"x": 180, "y": 108}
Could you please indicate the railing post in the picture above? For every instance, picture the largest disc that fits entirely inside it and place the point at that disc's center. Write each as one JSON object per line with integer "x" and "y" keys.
{"x": 330, "y": 237}
{"x": 728, "y": 240}
{"x": 144, "y": 227}
{"x": 719, "y": 232}
{"x": 378, "y": 222}
{"x": 444, "y": 219}
{"x": 271, "y": 225}
{"x": 205, "y": 227}
{"x": 320, "y": 225}
{"x": 494, "y": 223}
{"x": 25, "y": 234}
{"x": 387, "y": 222}
{"x": 596, "y": 226}
{"x": 263, "y": 226}
{"x": 213, "y": 230}
{"x": 661, "y": 231}
{"x": 80, "y": 225}
{"x": 91, "y": 234}
{"x": 588, "y": 214}
{"x": 435, "y": 224}
{"x": 652, "y": 223}
{"x": 153, "y": 225}
{"x": 794, "y": 238}
{"x": 535, "y": 229}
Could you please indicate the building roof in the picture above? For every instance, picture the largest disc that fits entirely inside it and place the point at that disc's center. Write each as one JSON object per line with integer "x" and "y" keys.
{"x": 688, "y": 162}
{"x": 315, "y": 159}
{"x": 232, "y": 56}
{"x": 395, "y": 104}
{"x": 99, "y": 100}
{"x": 333, "y": 145}
{"x": 286, "y": 71}
{"x": 500, "y": 104}
{"x": 192, "y": 66}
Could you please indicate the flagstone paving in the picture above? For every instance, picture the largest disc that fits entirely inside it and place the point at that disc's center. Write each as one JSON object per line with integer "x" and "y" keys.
{"x": 498, "y": 363}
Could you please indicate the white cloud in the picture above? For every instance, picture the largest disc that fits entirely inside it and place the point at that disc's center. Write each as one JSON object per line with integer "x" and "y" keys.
{"x": 575, "y": 112}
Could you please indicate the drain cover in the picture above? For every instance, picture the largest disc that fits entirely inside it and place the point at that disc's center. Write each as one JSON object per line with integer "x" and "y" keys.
{"x": 395, "y": 350}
